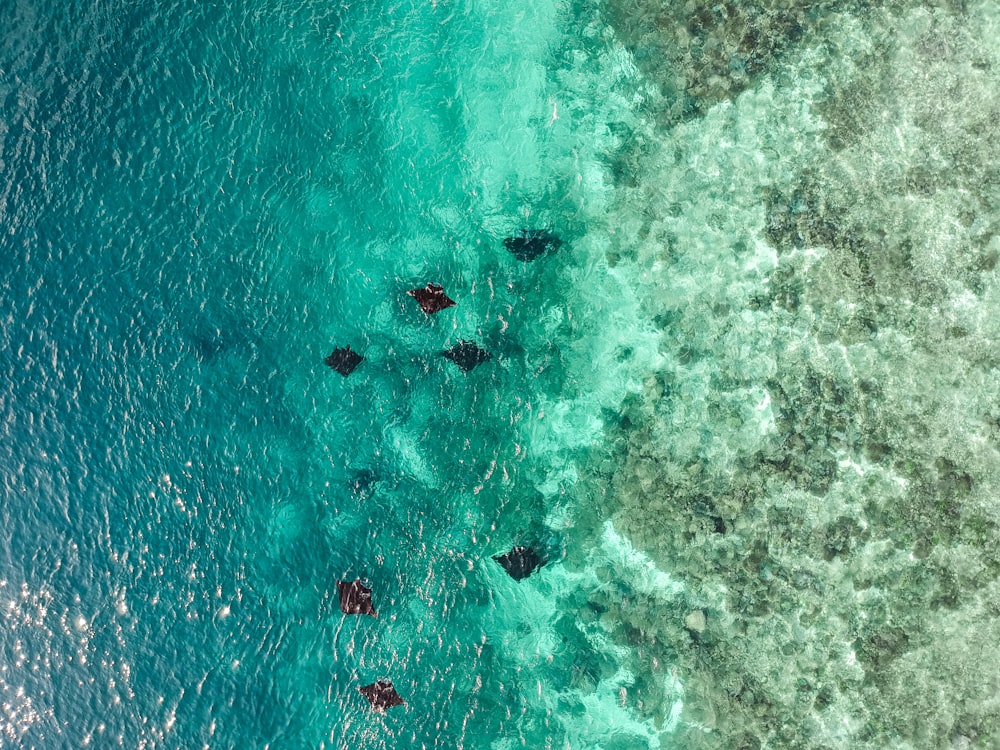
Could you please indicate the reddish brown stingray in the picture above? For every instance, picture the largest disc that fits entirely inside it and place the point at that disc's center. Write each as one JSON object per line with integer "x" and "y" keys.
{"x": 432, "y": 298}
{"x": 355, "y": 598}
{"x": 382, "y": 695}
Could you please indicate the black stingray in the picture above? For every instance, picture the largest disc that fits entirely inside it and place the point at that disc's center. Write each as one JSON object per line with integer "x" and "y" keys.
{"x": 355, "y": 599}
{"x": 209, "y": 343}
{"x": 467, "y": 355}
{"x": 344, "y": 360}
{"x": 362, "y": 481}
{"x": 520, "y": 562}
{"x": 382, "y": 695}
{"x": 432, "y": 298}
{"x": 531, "y": 243}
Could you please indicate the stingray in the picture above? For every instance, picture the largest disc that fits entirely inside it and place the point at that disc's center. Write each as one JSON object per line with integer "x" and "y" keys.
{"x": 382, "y": 695}
{"x": 355, "y": 599}
{"x": 467, "y": 355}
{"x": 362, "y": 481}
{"x": 531, "y": 243}
{"x": 432, "y": 298}
{"x": 344, "y": 360}
{"x": 520, "y": 562}
{"x": 209, "y": 343}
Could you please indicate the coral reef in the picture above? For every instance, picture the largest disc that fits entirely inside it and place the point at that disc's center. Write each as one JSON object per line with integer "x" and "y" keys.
{"x": 704, "y": 53}
{"x": 818, "y": 459}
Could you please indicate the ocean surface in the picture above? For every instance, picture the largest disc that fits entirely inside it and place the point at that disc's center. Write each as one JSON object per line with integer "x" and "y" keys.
{"x": 748, "y": 410}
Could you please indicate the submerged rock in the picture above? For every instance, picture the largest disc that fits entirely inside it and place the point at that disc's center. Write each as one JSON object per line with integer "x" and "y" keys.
{"x": 695, "y": 622}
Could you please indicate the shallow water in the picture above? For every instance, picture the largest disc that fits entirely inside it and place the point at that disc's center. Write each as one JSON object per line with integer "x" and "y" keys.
{"x": 747, "y": 409}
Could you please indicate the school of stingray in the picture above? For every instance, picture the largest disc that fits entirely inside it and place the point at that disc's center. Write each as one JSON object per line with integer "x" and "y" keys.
{"x": 521, "y": 561}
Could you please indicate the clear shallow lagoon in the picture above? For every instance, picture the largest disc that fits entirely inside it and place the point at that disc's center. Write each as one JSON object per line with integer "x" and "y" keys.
{"x": 749, "y": 408}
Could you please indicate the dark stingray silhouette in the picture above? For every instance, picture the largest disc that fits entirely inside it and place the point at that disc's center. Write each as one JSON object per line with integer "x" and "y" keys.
{"x": 209, "y": 343}
{"x": 344, "y": 360}
{"x": 355, "y": 598}
{"x": 362, "y": 481}
{"x": 467, "y": 355}
{"x": 520, "y": 562}
{"x": 531, "y": 243}
{"x": 382, "y": 695}
{"x": 432, "y": 298}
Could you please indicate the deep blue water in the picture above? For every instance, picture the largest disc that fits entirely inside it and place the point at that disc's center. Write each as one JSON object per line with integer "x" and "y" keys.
{"x": 199, "y": 202}
{"x": 718, "y": 409}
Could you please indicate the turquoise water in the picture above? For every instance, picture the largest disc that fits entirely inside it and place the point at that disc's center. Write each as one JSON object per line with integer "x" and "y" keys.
{"x": 747, "y": 409}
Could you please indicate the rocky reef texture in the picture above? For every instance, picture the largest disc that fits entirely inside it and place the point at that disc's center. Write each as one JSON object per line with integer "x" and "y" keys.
{"x": 700, "y": 54}
{"x": 817, "y": 459}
